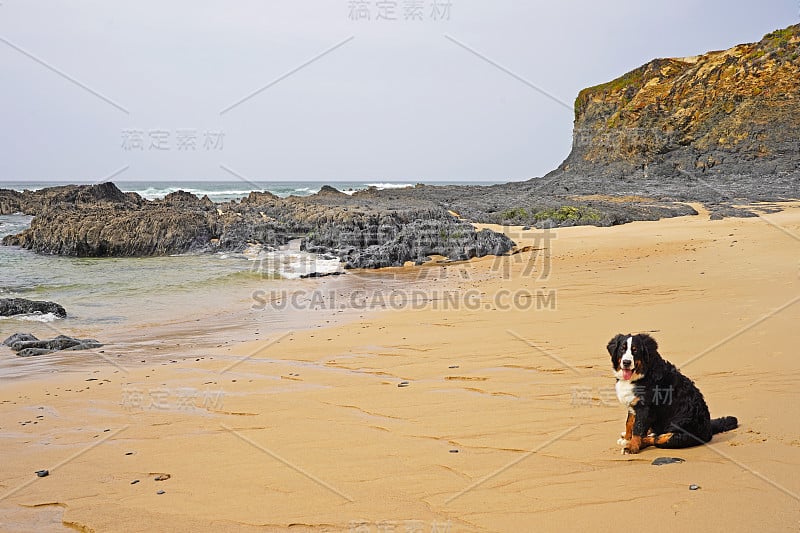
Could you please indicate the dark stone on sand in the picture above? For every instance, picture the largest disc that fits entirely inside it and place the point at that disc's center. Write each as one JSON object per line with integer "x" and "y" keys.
{"x": 33, "y": 352}
{"x": 21, "y": 306}
{"x": 658, "y": 461}
{"x": 403, "y": 384}
{"x": 161, "y": 492}
{"x": 454, "y": 451}
{"x": 694, "y": 487}
{"x": 19, "y": 337}
{"x": 27, "y": 345}
{"x": 42, "y": 473}
{"x": 134, "y": 482}
{"x": 321, "y": 274}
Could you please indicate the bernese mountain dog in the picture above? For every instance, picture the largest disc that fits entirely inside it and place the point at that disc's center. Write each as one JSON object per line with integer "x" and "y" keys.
{"x": 665, "y": 408}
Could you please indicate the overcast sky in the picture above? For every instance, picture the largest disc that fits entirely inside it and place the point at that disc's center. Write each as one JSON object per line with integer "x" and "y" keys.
{"x": 422, "y": 90}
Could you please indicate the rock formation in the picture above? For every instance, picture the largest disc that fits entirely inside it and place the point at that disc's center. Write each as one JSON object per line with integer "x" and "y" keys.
{"x": 722, "y": 124}
{"x": 21, "y": 306}
{"x": 27, "y": 345}
{"x": 363, "y": 232}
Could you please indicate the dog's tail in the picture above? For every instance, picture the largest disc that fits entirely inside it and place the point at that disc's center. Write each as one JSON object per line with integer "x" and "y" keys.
{"x": 725, "y": 423}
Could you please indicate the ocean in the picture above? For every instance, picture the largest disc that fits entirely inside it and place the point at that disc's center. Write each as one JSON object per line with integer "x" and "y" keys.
{"x": 141, "y": 305}
{"x": 224, "y": 191}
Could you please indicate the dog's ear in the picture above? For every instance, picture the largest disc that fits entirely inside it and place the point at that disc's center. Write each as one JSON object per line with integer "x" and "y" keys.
{"x": 613, "y": 345}
{"x": 650, "y": 344}
{"x": 655, "y": 364}
{"x": 650, "y": 347}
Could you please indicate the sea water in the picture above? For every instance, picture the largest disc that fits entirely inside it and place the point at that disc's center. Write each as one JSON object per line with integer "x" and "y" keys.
{"x": 146, "y": 304}
{"x": 224, "y": 191}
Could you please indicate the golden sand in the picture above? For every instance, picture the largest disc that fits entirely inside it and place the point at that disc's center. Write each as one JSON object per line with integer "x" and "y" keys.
{"x": 508, "y": 420}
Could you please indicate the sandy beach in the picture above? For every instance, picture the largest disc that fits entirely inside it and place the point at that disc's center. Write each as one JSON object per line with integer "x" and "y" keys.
{"x": 488, "y": 405}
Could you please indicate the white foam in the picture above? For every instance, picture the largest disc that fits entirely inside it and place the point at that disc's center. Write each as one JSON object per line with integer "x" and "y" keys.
{"x": 154, "y": 193}
{"x": 288, "y": 262}
{"x": 390, "y": 185}
{"x": 47, "y": 317}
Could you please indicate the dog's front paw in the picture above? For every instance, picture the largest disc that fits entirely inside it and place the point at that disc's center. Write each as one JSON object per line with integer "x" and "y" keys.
{"x": 633, "y": 445}
{"x": 622, "y": 441}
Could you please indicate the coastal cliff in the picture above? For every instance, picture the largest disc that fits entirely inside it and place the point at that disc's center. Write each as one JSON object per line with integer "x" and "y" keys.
{"x": 731, "y": 114}
{"x": 721, "y": 129}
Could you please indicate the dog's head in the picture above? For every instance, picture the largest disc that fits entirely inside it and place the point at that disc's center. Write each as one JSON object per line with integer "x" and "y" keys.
{"x": 632, "y": 355}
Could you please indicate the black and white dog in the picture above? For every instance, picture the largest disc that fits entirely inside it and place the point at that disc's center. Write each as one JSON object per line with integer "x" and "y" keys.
{"x": 665, "y": 408}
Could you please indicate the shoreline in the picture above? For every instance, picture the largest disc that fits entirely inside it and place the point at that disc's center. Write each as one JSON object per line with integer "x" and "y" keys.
{"x": 311, "y": 430}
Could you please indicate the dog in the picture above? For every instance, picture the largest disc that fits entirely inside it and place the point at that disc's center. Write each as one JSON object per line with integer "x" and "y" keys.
{"x": 665, "y": 408}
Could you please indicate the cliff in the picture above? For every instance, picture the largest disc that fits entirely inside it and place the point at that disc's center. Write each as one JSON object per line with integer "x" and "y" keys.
{"x": 733, "y": 114}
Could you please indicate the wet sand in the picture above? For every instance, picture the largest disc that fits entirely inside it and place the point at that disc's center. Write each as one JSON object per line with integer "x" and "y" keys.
{"x": 488, "y": 407}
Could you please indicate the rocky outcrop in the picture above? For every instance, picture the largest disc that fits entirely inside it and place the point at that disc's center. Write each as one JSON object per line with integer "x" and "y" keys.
{"x": 79, "y": 196}
{"x": 27, "y": 345}
{"x": 720, "y": 124}
{"x": 386, "y": 244}
{"x": 363, "y": 232}
{"x": 21, "y": 306}
{"x": 120, "y": 231}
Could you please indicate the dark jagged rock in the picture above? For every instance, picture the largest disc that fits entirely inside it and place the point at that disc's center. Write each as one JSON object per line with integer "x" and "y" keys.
{"x": 363, "y": 232}
{"x": 21, "y": 306}
{"x": 327, "y": 190}
{"x": 27, "y": 345}
{"x": 19, "y": 337}
{"x": 321, "y": 274}
{"x": 100, "y": 220}
{"x": 98, "y": 231}
{"x": 367, "y": 232}
{"x": 417, "y": 241}
{"x": 36, "y": 202}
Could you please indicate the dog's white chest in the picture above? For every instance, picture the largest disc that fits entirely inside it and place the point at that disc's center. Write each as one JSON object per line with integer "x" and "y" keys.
{"x": 625, "y": 392}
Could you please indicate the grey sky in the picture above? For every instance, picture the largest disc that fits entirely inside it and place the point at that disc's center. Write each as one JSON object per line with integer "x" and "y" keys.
{"x": 400, "y": 101}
